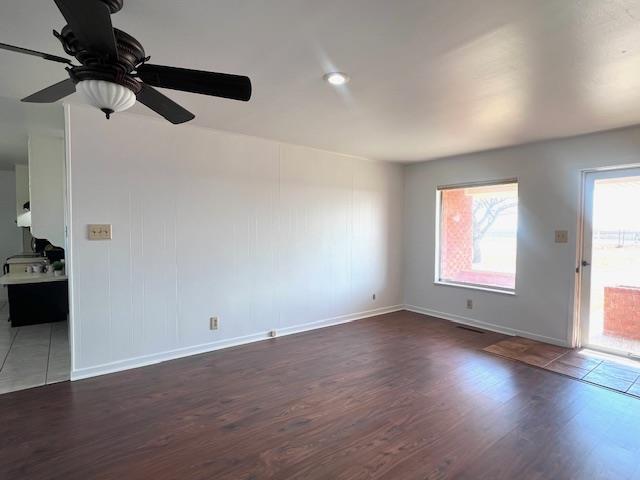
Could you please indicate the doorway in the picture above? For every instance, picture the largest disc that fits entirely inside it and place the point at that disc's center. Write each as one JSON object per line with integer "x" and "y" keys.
{"x": 34, "y": 301}
{"x": 610, "y": 263}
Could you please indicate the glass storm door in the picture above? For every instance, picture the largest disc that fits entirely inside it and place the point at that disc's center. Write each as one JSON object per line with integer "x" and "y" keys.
{"x": 610, "y": 267}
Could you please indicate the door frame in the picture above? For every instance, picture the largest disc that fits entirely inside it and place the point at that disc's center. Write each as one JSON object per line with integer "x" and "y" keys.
{"x": 69, "y": 250}
{"x": 581, "y": 296}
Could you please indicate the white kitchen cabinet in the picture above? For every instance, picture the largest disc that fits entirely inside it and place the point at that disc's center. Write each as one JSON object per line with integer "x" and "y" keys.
{"x": 23, "y": 218}
{"x": 47, "y": 187}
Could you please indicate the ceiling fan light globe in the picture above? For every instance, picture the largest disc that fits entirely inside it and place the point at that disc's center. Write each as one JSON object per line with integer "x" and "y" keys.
{"x": 106, "y": 95}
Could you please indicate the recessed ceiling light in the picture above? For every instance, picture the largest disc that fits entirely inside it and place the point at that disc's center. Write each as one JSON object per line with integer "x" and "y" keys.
{"x": 337, "y": 78}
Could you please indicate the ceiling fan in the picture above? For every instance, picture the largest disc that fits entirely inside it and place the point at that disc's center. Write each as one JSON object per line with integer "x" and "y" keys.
{"x": 113, "y": 71}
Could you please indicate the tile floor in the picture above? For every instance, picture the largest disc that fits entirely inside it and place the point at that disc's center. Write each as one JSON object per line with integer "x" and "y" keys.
{"x": 600, "y": 369}
{"x": 32, "y": 356}
{"x": 528, "y": 351}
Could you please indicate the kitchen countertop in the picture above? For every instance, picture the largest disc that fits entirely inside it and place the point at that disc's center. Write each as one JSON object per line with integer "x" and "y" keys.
{"x": 24, "y": 278}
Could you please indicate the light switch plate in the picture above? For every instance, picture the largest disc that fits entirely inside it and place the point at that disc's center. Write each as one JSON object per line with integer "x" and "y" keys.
{"x": 99, "y": 232}
{"x": 562, "y": 236}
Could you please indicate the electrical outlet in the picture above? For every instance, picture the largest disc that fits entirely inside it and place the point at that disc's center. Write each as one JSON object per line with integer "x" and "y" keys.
{"x": 213, "y": 323}
{"x": 99, "y": 231}
{"x": 373, "y": 297}
{"x": 562, "y": 236}
{"x": 469, "y": 303}
{"x": 273, "y": 334}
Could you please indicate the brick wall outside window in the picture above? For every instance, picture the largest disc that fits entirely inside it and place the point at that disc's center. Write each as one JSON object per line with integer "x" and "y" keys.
{"x": 622, "y": 312}
{"x": 456, "y": 241}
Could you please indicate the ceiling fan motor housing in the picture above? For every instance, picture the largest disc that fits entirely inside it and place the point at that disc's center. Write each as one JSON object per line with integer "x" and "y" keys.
{"x": 95, "y": 67}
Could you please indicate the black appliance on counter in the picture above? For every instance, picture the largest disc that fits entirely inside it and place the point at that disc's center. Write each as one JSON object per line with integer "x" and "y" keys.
{"x": 44, "y": 247}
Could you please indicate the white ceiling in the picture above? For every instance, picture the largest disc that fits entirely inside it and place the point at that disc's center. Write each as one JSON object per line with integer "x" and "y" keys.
{"x": 430, "y": 78}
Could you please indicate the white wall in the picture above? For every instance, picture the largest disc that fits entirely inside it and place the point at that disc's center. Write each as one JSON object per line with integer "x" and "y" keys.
{"x": 549, "y": 198}
{"x": 265, "y": 235}
{"x": 10, "y": 234}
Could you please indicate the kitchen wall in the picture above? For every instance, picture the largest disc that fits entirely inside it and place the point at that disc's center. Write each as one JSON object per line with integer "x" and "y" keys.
{"x": 265, "y": 235}
{"x": 10, "y": 234}
{"x": 549, "y": 198}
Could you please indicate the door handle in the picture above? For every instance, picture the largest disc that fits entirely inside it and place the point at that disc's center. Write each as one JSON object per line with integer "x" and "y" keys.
{"x": 583, "y": 263}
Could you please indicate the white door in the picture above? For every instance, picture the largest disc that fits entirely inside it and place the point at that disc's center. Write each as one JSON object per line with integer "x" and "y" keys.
{"x": 610, "y": 265}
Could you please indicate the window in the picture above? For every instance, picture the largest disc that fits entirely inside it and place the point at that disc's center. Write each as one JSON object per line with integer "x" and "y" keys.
{"x": 478, "y": 230}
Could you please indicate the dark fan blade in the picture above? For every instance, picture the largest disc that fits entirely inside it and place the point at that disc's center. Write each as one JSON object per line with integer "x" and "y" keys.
{"x": 163, "y": 105}
{"x": 35, "y": 53}
{"x": 53, "y": 93}
{"x": 223, "y": 85}
{"x": 90, "y": 22}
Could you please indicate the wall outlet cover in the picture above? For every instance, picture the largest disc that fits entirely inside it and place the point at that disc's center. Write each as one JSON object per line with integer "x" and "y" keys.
{"x": 214, "y": 323}
{"x": 469, "y": 303}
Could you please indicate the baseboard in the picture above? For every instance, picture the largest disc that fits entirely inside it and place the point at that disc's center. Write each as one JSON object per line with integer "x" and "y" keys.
{"x": 338, "y": 320}
{"x": 145, "y": 360}
{"x": 485, "y": 325}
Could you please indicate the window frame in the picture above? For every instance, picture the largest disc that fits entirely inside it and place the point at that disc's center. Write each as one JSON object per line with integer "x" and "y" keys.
{"x": 438, "y": 240}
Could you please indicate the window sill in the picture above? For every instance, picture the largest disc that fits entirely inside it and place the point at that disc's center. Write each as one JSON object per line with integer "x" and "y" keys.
{"x": 476, "y": 287}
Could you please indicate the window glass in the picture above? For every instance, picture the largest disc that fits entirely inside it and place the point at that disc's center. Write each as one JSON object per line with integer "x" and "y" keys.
{"x": 478, "y": 235}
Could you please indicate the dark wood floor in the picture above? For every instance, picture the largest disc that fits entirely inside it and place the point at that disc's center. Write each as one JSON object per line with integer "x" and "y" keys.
{"x": 397, "y": 396}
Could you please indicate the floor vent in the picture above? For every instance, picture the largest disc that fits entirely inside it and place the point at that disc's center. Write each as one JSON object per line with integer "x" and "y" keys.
{"x": 462, "y": 327}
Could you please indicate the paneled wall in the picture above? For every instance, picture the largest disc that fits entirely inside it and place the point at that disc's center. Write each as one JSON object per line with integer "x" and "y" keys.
{"x": 262, "y": 234}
